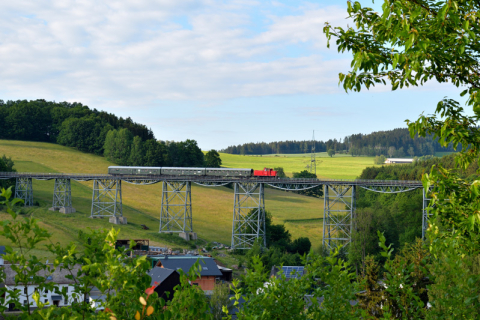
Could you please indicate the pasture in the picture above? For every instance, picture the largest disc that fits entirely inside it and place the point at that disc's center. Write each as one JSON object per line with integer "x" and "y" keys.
{"x": 337, "y": 167}
{"x": 212, "y": 207}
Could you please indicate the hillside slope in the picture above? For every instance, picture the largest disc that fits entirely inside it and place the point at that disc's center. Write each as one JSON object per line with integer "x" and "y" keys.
{"x": 212, "y": 207}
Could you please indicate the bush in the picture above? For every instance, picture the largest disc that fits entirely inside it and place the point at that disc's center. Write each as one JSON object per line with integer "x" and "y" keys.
{"x": 379, "y": 159}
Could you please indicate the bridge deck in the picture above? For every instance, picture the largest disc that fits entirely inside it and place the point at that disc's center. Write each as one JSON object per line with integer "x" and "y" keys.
{"x": 206, "y": 179}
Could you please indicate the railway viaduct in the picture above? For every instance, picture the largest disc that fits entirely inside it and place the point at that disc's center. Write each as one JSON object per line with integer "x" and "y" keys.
{"x": 248, "y": 207}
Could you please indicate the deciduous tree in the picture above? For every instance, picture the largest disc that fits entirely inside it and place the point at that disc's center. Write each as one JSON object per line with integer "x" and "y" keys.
{"x": 6, "y": 165}
{"x": 409, "y": 43}
{"x": 137, "y": 152}
{"x": 280, "y": 172}
{"x": 316, "y": 192}
{"x": 212, "y": 159}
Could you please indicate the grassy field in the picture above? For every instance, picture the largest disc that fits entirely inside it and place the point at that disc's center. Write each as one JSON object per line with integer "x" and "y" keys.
{"x": 336, "y": 167}
{"x": 212, "y": 207}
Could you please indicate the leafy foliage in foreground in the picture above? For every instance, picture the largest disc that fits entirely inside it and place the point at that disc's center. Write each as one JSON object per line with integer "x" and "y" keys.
{"x": 416, "y": 275}
{"x": 407, "y": 44}
{"x": 122, "y": 280}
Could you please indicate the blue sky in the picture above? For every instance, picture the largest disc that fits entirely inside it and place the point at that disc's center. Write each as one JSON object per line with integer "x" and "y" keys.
{"x": 220, "y": 72}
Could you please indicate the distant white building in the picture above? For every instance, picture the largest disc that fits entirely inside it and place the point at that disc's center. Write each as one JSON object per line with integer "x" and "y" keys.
{"x": 398, "y": 160}
{"x": 97, "y": 300}
{"x": 46, "y": 296}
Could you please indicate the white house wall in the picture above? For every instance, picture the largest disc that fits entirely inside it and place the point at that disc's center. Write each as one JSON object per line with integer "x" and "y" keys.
{"x": 44, "y": 296}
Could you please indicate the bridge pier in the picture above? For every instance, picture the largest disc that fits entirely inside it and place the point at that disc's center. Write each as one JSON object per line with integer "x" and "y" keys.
{"x": 62, "y": 196}
{"x": 107, "y": 200}
{"x": 338, "y": 223}
{"x": 248, "y": 215}
{"x": 176, "y": 210}
{"x": 425, "y": 214}
{"x": 24, "y": 190}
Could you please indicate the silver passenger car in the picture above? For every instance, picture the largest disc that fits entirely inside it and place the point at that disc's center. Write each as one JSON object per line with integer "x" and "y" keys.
{"x": 133, "y": 170}
{"x": 181, "y": 171}
{"x": 229, "y": 172}
{"x": 178, "y": 171}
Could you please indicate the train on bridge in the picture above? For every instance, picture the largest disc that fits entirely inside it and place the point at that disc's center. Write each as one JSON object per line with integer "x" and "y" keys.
{"x": 179, "y": 171}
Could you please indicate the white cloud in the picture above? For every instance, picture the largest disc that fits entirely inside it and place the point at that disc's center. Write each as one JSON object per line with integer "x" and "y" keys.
{"x": 202, "y": 69}
{"x": 135, "y": 52}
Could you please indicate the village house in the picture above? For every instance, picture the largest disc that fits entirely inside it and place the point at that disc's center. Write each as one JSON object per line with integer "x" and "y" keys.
{"x": 46, "y": 296}
{"x": 208, "y": 275}
{"x": 164, "y": 280}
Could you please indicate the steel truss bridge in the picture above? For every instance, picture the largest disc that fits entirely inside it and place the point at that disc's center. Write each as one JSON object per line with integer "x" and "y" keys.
{"x": 248, "y": 207}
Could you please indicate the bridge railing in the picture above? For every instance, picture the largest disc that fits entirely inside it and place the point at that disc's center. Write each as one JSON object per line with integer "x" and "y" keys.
{"x": 42, "y": 175}
{"x": 153, "y": 177}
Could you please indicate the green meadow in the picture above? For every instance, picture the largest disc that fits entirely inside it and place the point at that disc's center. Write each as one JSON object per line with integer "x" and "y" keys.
{"x": 212, "y": 207}
{"x": 336, "y": 167}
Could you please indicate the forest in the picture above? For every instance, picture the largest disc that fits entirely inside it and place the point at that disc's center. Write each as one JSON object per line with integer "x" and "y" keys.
{"x": 75, "y": 125}
{"x": 398, "y": 216}
{"x": 393, "y": 143}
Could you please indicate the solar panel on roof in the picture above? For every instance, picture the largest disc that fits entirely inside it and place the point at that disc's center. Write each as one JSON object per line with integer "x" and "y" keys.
{"x": 291, "y": 272}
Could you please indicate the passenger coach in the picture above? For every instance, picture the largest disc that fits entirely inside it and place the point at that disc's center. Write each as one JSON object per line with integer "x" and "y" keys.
{"x": 177, "y": 171}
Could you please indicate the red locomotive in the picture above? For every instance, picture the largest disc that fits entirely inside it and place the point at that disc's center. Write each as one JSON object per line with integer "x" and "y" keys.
{"x": 266, "y": 172}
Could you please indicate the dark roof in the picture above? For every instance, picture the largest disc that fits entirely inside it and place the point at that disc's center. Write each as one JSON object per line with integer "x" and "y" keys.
{"x": 209, "y": 267}
{"x": 159, "y": 274}
{"x": 2, "y": 250}
{"x": 289, "y": 271}
{"x": 57, "y": 276}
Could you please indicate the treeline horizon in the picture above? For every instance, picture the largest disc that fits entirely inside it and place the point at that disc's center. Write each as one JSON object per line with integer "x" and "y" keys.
{"x": 75, "y": 125}
{"x": 392, "y": 143}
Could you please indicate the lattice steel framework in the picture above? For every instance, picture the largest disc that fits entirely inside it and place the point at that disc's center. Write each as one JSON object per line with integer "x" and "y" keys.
{"x": 389, "y": 189}
{"x": 248, "y": 215}
{"x": 291, "y": 186}
{"x": 176, "y": 211}
{"x": 425, "y": 213}
{"x": 62, "y": 194}
{"x": 107, "y": 198}
{"x": 142, "y": 182}
{"x": 24, "y": 191}
{"x": 212, "y": 184}
{"x": 337, "y": 222}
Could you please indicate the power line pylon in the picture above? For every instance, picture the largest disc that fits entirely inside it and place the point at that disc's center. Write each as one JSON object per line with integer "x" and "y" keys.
{"x": 313, "y": 161}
